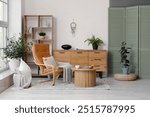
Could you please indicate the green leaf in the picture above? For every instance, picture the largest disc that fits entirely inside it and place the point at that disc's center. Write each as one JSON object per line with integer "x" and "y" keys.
{"x": 94, "y": 40}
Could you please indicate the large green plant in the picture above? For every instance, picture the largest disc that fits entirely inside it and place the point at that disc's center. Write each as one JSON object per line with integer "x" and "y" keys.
{"x": 124, "y": 53}
{"x": 94, "y": 41}
{"x": 16, "y": 49}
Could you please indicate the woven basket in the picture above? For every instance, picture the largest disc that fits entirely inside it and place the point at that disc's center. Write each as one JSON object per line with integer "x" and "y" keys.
{"x": 125, "y": 77}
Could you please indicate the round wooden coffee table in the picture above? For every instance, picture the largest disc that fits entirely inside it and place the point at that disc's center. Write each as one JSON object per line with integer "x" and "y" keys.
{"x": 84, "y": 77}
{"x": 119, "y": 76}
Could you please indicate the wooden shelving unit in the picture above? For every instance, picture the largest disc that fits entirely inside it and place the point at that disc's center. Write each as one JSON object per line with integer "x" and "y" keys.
{"x": 32, "y": 25}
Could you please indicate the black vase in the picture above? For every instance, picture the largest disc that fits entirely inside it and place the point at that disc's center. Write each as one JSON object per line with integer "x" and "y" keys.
{"x": 95, "y": 46}
{"x": 66, "y": 47}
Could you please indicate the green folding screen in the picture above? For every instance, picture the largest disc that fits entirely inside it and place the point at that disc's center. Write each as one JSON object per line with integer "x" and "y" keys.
{"x": 130, "y": 24}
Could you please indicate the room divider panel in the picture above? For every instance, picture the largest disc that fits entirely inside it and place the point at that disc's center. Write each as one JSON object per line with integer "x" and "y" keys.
{"x": 144, "y": 42}
{"x": 116, "y": 36}
{"x": 132, "y": 36}
{"x": 130, "y": 24}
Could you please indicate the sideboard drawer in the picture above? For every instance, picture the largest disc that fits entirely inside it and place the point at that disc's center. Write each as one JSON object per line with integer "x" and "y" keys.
{"x": 101, "y": 68}
{"x": 62, "y": 56}
{"x": 97, "y": 54}
{"x": 77, "y": 54}
{"x": 79, "y": 57}
{"x": 97, "y": 61}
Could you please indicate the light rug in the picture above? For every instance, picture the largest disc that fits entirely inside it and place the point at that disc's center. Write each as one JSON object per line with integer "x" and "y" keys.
{"x": 101, "y": 84}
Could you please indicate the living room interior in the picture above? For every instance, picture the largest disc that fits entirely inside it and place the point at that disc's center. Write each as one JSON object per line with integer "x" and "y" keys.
{"x": 59, "y": 60}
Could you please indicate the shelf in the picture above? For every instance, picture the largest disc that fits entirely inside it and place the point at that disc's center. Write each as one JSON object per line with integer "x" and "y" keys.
{"x": 38, "y": 16}
{"x": 41, "y": 39}
{"x": 41, "y": 27}
{"x": 32, "y": 25}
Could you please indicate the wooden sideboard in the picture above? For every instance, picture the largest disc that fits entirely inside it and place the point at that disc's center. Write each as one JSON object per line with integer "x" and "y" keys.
{"x": 97, "y": 58}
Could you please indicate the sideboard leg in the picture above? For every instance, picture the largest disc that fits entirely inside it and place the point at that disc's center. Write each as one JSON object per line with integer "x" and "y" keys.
{"x": 100, "y": 74}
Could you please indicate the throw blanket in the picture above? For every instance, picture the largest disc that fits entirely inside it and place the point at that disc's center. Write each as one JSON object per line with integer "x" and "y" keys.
{"x": 25, "y": 75}
{"x": 67, "y": 73}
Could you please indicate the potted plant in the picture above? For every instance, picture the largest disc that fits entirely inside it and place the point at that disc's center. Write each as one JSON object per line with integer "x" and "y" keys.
{"x": 42, "y": 35}
{"x": 15, "y": 50}
{"x": 95, "y": 42}
{"x": 124, "y": 53}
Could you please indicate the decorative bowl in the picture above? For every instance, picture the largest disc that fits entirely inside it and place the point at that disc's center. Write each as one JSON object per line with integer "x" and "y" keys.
{"x": 91, "y": 67}
{"x": 77, "y": 66}
{"x": 66, "y": 47}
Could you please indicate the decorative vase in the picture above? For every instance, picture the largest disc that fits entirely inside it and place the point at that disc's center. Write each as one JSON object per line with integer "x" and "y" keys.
{"x": 95, "y": 46}
{"x": 125, "y": 70}
{"x": 13, "y": 64}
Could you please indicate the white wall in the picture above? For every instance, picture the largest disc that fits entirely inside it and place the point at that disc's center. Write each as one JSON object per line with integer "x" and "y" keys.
{"x": 91, "y": 17}
{"x": 15, "y": 18}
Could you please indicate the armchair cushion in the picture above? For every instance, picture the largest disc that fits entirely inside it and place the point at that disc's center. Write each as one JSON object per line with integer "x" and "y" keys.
{"x": 49, "y": 61}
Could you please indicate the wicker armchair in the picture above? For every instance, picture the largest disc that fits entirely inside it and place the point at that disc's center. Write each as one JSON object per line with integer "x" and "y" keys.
{"x": 42, "y": 50}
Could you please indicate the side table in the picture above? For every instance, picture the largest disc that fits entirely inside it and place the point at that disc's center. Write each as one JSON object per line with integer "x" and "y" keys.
{"x": 125, "y": 77}
{"x": 84, "y": 77}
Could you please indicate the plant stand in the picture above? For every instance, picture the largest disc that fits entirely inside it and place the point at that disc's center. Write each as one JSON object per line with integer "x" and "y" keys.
{"x": 125, "y": 77}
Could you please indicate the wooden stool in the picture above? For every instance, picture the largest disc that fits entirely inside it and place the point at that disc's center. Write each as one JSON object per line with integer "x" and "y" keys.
{"x": 84, "y": 77}
{"x": 124, "y": 77}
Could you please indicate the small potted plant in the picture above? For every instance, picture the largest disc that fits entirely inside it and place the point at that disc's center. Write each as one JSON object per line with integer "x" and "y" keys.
{"x": 124, "y": 53}
{"x": 42, "y": 35}
{"x": 95, "y": 42}
{"x": 15, "y": 50}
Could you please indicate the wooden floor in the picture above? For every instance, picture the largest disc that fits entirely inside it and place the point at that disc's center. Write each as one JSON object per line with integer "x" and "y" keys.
{"x": 128, "y": 90}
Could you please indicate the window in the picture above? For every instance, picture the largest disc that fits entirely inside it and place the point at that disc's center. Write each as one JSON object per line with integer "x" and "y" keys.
{"x": 3, "y": 32}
